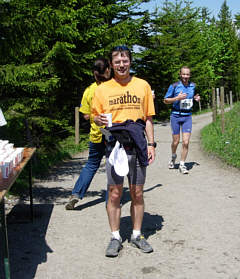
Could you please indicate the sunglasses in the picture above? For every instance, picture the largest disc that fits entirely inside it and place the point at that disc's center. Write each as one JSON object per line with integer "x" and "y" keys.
{"x": 121, "y": 48}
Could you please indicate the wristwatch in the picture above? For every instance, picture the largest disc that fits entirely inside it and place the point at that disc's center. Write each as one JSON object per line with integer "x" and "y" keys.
{"x": 154, "y": 144}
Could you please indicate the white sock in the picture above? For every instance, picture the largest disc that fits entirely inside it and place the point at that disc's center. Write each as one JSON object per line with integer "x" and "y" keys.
{"x": 116, "y": 235}
{"x": 136, "y": 233}
{"x": 182, "y": 163}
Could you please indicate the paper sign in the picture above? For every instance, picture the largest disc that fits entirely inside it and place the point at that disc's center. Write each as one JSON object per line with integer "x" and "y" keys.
{"x": 2, "y": 119}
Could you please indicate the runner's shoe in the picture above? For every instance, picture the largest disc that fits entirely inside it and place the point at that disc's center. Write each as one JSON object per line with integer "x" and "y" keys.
{"x": 183, "y": 169}
{"x": 141, "y": 243}
{"x": 171, "y": 164}
{"x": 71, "y": 203}
{"x": 113, "y": 248}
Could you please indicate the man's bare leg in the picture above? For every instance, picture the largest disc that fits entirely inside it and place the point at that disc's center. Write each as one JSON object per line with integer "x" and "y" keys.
{"x": 114, "y": 213}
{"x": 137, "y": 212}
{"x": 137, "y": 206}
{"x": 174, "y": 145}
{"x": 185, "y": 145}
{"x": 113, "y": 206}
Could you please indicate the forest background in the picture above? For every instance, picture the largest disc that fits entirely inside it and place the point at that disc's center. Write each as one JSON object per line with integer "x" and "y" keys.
{"x": 47, "y": 49}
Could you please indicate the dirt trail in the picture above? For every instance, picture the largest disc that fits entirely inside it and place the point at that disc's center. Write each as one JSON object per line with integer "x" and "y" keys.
{"x": 192, "y": 221}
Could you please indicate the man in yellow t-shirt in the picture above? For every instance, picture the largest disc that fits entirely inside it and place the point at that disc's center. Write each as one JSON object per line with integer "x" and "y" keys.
{"x": 101, "y": 71}
{"x": 127, "y": 98}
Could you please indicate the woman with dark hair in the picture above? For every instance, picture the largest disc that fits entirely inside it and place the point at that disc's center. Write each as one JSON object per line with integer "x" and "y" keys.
{"x": 101, "y": 72}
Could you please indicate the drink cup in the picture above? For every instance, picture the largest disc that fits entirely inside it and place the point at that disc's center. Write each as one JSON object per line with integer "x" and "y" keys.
{"x": 5, "y": 170}
{"x": 20, "y": 154}
{"x": 3, "y": 144}
{"x": 9, "y": 146}
{"x": 15, "y": 158}
{"x": 109, "y": 118}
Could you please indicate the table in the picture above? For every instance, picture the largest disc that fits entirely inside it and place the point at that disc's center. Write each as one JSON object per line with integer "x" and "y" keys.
{"x": 5, "y": 185}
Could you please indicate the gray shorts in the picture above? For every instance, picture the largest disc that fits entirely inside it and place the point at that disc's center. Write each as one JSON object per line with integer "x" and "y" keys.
{"x": 136, "y": 175}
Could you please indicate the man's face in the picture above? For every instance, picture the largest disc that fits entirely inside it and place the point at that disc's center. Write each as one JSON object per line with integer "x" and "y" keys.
{"x": 185, "y": 75}
{"x": 121, "y": 65}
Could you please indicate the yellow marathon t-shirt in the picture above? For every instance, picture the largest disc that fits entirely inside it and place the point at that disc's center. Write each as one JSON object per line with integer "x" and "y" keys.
{"x": 131, "y": 101}
{"x": 86, "y": 107}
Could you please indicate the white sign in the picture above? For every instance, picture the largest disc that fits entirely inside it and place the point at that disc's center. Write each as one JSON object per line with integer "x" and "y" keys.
{"x": 186, "y": 104}
{"x": 2, "y": 119}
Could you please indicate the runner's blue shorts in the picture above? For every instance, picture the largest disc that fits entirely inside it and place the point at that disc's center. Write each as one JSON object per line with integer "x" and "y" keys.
{"x": 181, "y": 121}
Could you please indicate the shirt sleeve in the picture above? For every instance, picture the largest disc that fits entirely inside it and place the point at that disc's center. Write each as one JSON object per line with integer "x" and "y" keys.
{"x": 96, "y": 103}
{"x": 170, "y": 92}
{"x": 85, "y": 107}
{"x": 150, "y": 106}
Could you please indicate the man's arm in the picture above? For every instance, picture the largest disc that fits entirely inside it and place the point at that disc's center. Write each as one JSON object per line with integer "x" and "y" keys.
{"x": 150, "y": 137}
{"x": 180, "y": 96}
{"x": 197, "y": 98}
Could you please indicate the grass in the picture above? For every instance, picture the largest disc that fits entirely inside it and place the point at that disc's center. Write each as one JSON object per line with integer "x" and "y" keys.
{"x": 225, "y": 145}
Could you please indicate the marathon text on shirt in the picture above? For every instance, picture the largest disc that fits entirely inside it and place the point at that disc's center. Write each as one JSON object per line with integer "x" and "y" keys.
{"x": 125, "y": 99}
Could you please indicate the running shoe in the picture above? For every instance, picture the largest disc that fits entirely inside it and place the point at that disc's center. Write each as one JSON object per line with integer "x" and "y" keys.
{"x": 141, "y": 243}
{"x": 71, "y": 203}
{"x": 171, "y": 164}
{"x": 113, "y": 248}
{"x": 183, "y": 169}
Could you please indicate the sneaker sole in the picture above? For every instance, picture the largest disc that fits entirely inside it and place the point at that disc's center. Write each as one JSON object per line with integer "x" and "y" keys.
{"x": 144, "y": 251}
{"x": 183, "y": 172}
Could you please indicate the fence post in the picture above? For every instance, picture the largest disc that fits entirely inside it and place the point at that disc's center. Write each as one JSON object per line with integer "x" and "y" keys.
{"x": 222, "y": 107}
{"x": 227, "y": 99}
{"x": 218, "y": 102}
{"x": 76, "y": 125}
{"x": 199, "y": 105}
{"x": 231, "y": 100}
{"x": 214, "y": 107}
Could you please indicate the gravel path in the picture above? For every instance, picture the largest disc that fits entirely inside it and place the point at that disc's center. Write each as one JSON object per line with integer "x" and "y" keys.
{"x": 192, "y": 221}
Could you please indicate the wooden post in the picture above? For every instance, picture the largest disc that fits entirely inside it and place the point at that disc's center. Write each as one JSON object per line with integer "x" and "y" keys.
{"x": 76, "y": 125}
{"x": 214, "y": 107}
{"x": 231, "y": 100}
{"x": 222, "y": 107}
{"x": 227, "y": 99}
{"x": 218, "y": 102}
{"x": 199, "y": 104}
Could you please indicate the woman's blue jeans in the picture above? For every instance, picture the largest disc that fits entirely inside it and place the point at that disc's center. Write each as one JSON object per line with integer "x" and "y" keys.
{"x": 96, "y": 153}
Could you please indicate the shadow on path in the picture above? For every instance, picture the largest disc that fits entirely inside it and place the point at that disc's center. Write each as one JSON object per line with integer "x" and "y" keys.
{"x": 27, "y": 244}
{"x": 189, "y": 165}
{"x": 151, "y": 224}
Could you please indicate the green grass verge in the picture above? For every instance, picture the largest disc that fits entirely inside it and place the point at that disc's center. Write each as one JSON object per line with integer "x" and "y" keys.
{"x": 225, "y": 146}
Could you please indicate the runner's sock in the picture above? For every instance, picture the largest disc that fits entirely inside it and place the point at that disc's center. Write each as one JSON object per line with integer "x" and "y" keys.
{"x": 174, "y": 156}
{"x": 136, "y": 233}
{"x": 116, "y": 235}
{"x": 182, "y": 163}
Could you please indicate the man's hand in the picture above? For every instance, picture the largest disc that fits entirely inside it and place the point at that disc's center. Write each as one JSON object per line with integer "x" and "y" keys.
{"x": 197, "y": 97}
{"x": 86, "y": 116}
{"x": 151, "y": 154}
{"x": 181, "y": 96}
{"x": 101, "y": 120}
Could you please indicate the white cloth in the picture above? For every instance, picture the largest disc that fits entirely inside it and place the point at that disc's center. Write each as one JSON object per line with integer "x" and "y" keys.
{"x": 119, "y": 160}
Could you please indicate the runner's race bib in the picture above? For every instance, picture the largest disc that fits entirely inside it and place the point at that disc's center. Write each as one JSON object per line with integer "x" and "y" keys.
{"x": 186, "y": 104}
